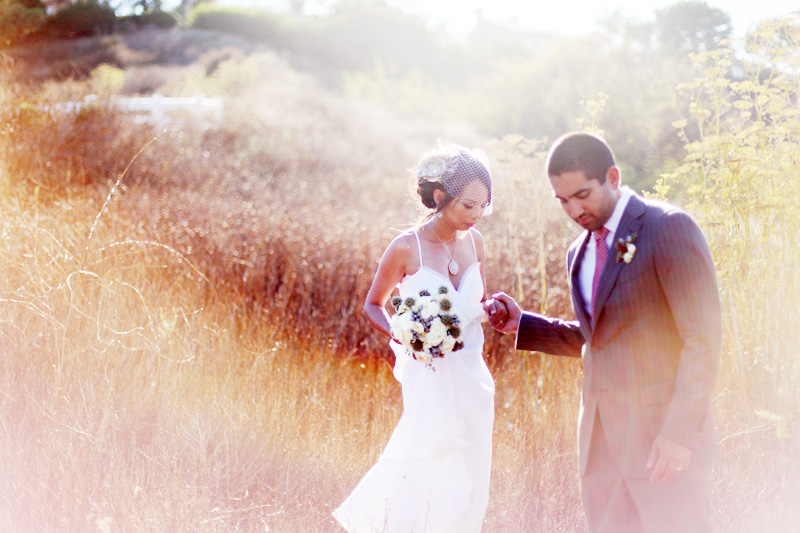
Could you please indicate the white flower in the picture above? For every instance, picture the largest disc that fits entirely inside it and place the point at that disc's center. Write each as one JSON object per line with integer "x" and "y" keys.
{"x": 431, "y": 167}
{"x": 400, "y": 328}
{"x": 447, "y": 344}
{"x": 626, "y": 249}
{"x": 437, "y": 333}
{"x": 424, "y": 357}
{"x": 429, "y": 308}
{"x": 434, "y": 164}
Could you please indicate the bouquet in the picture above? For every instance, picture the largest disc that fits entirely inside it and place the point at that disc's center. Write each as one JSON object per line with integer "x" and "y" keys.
{"x": 427, "y": 326}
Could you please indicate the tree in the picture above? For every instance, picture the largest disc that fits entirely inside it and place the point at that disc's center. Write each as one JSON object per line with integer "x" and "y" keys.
{"x": 691, "y": 26}
{"x": 30, "y": 4}
{"x": 139, "y": 6}
{"x": 186, "y": 6}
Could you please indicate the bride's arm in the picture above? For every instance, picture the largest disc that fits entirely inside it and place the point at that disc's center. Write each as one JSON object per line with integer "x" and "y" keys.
{"x": 390, "y": 272}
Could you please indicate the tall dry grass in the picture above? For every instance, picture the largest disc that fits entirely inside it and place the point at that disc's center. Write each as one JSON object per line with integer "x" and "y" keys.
{"x": 182, "y": 342}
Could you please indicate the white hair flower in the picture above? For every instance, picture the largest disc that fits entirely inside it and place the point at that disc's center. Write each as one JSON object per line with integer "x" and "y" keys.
{"x": 436, "y": 163}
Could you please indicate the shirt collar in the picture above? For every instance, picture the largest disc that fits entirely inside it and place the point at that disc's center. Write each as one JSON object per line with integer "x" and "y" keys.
{"x": 613, "y": 223}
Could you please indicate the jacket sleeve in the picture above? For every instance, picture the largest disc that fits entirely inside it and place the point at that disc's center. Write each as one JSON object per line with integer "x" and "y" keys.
{"x": 538, "y": 333}
{"x": 685, "y": 269}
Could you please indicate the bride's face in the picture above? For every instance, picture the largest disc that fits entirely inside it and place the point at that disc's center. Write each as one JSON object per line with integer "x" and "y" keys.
{"x": 465, "y": 211}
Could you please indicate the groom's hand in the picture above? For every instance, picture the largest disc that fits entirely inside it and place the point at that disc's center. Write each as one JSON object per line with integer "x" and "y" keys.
{"x": 668, "y": 459}
{"x": 505, "y": 313}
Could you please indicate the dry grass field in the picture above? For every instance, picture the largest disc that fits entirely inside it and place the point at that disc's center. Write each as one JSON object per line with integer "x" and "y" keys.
{"x": 182, "y": 343}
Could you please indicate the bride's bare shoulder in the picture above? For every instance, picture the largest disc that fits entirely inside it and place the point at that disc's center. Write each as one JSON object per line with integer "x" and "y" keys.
{"x": 402, "y": 249}
{"x": 404, "y": 241}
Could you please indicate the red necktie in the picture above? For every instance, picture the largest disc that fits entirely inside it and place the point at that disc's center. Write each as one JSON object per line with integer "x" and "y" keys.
{"x": 600, "y": 259}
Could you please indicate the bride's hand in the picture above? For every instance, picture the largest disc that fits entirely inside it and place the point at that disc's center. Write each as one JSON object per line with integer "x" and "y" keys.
{"x": 495, "y": 312}
{"x": 505, "y": 313}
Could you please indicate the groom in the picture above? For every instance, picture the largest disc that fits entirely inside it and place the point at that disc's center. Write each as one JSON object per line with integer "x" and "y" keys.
{"x": 648, "y": 329}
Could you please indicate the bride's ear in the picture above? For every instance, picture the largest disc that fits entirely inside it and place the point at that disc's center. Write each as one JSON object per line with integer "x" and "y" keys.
{"x": 438, "y": 197}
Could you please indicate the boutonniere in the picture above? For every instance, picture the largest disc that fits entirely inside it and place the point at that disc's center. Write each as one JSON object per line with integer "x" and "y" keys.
{"x": 626, "y": 248}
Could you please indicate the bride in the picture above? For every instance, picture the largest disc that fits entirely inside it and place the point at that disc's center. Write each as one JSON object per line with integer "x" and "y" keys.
{"x": 433, "y": 475}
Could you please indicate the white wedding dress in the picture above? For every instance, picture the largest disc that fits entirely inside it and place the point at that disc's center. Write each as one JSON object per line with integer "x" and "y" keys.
{"x": 433, "y": 475}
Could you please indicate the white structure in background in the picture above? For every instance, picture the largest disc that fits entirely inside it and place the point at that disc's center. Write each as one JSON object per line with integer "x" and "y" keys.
{"x": 158, "y": 109}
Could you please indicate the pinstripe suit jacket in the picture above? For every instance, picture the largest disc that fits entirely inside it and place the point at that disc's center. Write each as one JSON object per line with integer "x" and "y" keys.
{"x": 650, "y": 358}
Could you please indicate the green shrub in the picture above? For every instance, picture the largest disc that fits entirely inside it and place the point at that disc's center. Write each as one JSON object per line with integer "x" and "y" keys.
{"x": 258, "y": 25}
{"x": 739, "y": 178}
{"x": 81, "y": 20}
{"x": 159, "y": 19}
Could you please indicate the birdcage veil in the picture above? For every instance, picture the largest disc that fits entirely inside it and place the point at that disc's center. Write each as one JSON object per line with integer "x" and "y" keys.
{"x": 456, "y": 167}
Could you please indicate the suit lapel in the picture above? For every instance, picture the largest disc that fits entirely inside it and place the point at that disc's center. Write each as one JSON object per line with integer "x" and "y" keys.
{"x": 630, "y": 223}
{"x": 579, "y": 305}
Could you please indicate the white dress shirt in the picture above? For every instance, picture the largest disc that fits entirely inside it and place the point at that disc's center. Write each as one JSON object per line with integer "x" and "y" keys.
{"x": 586, "y": 272}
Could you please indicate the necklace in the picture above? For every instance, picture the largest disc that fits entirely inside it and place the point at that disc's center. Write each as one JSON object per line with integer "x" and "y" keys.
{"x": 452, "y": 267}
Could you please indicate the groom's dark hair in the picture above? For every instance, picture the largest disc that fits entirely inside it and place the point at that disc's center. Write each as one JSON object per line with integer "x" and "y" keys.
{"x": 580, "y": 151}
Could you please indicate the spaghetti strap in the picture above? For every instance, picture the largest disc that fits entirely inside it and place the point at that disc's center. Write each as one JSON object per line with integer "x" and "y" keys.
{"x": 474, "y": 250}
{"x": 419, "y": 248}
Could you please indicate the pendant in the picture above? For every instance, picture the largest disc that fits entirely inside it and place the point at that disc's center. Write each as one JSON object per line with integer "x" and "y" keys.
{"x": 453, "y": 267}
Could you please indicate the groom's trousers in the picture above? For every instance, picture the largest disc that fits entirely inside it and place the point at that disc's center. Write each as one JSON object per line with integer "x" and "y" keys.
{"x": 614, "y": 504}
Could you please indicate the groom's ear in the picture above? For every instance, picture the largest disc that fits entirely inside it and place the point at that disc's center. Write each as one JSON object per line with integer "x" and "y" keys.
{"x": 613, "y": 177}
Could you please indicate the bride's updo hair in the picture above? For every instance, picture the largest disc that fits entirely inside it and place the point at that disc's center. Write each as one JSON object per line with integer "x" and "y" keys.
{"x": 425, "y": 191}
{"x": 450, "y": 168}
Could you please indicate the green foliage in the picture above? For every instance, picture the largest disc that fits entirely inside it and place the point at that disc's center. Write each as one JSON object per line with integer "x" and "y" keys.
{"x": 547, "y": 97}
{"x": 17, "y": 21}
{"x": 81, "y": 20}
{"x": 352, "y": 39}
{"x": 141, "y": 6}
{"x": 259, "y": 25}
{"x": 692, "y": 26}
{"x": 159, "y": 19}
{"x": 412, "y": 94}
{"x": 106, "y": 80}
{"x": 230, "y": 77}
{"x": 740, "y": 177}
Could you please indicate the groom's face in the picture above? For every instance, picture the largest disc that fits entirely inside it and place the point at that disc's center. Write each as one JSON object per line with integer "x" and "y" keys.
{"x": 587, "y": 201}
